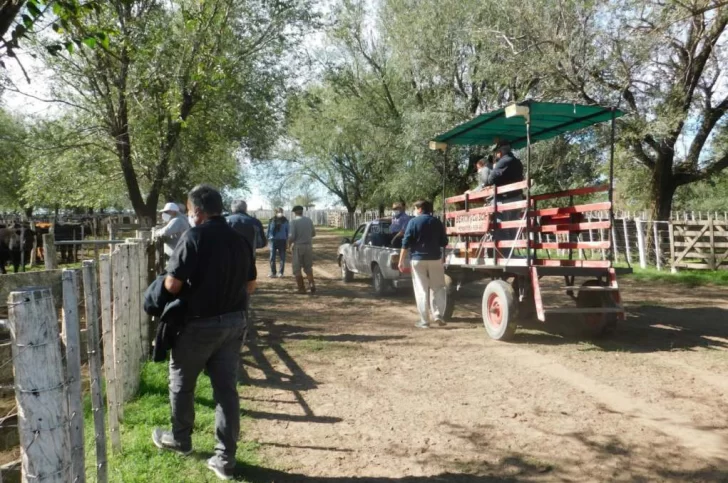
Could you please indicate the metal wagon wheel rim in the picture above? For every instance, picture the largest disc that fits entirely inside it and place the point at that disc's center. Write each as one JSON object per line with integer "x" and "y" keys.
{"x": 495, "y": 311}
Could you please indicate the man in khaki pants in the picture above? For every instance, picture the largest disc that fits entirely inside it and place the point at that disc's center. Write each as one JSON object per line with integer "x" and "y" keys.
{"x": 300, "y": 239}
{"x": 423, "y": 241}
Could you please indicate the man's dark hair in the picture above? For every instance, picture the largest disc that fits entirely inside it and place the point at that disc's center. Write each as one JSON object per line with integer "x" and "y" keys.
{"x": 206, "y": 199}
{"x": 297, "y": 209}
{"x": 424, "y": 205}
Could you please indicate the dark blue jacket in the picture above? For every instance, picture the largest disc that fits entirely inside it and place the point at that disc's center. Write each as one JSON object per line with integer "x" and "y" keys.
{"x": 508, "y": 169}
{"x": 425, "y": 237}
{"x": 239, "y": 222}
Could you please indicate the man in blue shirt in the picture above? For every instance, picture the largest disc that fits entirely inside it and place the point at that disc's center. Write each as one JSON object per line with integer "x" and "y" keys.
{"x": 278, "y": 238}
{"x": 424, "y": 239}
{"x": 400, "y": 219}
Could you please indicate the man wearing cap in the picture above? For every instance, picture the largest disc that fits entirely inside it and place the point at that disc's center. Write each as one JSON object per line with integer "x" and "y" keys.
{"x": 176, "y": 225}
{"x": 300, "y": 240}
{"x": 507, "y": 169}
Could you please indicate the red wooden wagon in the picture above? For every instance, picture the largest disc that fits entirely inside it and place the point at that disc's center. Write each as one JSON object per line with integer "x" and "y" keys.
{"x": 517, "y": 265}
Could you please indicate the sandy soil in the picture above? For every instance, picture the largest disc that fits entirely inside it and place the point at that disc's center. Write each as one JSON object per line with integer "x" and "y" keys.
{"x": 342, "y": 387}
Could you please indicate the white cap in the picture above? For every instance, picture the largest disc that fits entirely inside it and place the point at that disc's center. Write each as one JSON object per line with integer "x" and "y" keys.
{"x": 170, "y": 207}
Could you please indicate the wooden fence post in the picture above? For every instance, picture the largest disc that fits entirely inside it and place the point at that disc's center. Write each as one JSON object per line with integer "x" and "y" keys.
{"x": 135, "y": 323}
{"x": 711, "y": 230}
{"x": 49, "y": 250}
{"x": 658, "y": 254}
{"x": 112, "y": 381}
{"x": 120, "y": 291}
{"x": 626, "y": 241}
{"x": 641, "y": 243}
{"x": 671, "y": 232}
{"x": 40, "y": 388}
{"x": 93, "y": 345}
{"x": 614, "y": 242}
{"x": 71, "y": 335}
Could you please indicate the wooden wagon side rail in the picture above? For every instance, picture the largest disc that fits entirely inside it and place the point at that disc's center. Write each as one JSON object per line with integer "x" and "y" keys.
{"x": 572, "y": 192}
{"x": 488, "y": 192}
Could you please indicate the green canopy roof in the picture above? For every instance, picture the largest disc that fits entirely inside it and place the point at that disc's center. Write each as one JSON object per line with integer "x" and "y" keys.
{"x": 548, "y": 119}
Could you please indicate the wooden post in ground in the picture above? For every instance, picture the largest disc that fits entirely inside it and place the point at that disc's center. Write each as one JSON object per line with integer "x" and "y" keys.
{"x": 711, "y": 231}
{"x": 121, "y": 314}
{"x": 145, "y": 238}
{"x": 671, "y": 232}
{"x": 49, "y": 250}
{"x": 641, "y": 243}
{"x": 93, "y": 344}
{"x": 658, "y": 253}
{"x": 34, "y": 254}
{"x": 112, "y": 381}
{"x": 71, "y": 336}
{"x": 40, "y": 387}
{"x": 135, "y": 311}
{"x": 614, "y": 241}
{"x": 626, "y": 241}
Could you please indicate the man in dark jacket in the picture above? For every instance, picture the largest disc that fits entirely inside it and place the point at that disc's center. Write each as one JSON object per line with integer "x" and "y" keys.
{"x": 424, "y": 239}
{"x": 507, "y": 169}
{"x": 212, "y": 263}
{"x": 251, "y": 228}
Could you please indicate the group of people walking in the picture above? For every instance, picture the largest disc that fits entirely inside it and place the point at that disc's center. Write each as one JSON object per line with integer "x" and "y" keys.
{"x": 202, "y": 300}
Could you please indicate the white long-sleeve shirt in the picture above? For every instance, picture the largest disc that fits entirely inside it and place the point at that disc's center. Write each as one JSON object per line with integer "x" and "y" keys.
{"x": 172, "y": 233}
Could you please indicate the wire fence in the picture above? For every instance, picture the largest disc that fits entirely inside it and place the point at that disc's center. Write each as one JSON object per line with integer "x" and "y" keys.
{"x": 104, "y": 311}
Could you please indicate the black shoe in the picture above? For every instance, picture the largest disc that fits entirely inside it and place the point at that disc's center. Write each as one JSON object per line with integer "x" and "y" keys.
{"x": 165, "y": 440}
{"x": 219, "y": 469}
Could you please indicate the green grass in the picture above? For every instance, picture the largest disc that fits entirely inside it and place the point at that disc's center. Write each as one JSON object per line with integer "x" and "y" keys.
{"x": 692, "y": 278}
{"x": 335, "y": 231}
{"x": 140, "y": 460}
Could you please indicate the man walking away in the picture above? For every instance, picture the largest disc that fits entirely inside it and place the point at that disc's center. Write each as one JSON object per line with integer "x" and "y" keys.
{"x": 278, "y": 237}
{"x": 301, "y": 242}
{"x": 211, "y": 271}
{"x": 508, "y": 169}
{"x": 251, "y": 228}
{"x": 423, "y": 241}
{"x": 176, "y": 225}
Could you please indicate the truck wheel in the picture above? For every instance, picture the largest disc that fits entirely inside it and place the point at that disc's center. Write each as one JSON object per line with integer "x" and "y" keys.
{"x": 500, "y": 310}
{"x": 381, "y": 285}
{"x": 346, "y": 275}
{"x": 450, "y": 304}
{"x": 597, "y": 325}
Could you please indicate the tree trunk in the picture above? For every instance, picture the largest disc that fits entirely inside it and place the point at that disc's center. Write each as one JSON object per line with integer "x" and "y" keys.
{"x": 662, "y": 188}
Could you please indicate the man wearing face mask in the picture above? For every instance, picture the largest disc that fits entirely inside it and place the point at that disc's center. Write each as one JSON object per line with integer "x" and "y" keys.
{"x": 399, "y": 223}
{"x": 278, "y": 237}
{"x": 176, "y": 225}
{"x": 211, "y": 271}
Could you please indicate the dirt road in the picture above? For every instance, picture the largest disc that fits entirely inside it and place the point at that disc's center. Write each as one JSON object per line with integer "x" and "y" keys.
{"x": 344, "y": 388}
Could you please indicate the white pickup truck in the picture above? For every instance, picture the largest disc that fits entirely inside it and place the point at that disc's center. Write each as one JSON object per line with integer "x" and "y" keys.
{"x": 370, "y": 252}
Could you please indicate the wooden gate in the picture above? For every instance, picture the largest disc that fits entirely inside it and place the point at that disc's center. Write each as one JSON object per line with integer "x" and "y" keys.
{"x": 699, "y": 244}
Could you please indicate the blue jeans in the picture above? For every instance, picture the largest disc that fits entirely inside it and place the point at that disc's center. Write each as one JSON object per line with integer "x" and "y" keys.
{"x": 280, "y": 247}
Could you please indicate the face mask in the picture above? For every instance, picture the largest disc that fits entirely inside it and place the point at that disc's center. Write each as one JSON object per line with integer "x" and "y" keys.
{"x": 396, "y": 213}
{"x": 191, "y": 220}
{"x": 279, "y": 215}
{"x": 166, "y": 217}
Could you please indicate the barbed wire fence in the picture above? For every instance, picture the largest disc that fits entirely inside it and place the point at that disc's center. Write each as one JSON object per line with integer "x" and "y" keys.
{"x": 47, "y": 362}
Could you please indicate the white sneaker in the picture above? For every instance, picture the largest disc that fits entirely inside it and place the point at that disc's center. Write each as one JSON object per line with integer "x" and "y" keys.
{"x": 422, "y": 325}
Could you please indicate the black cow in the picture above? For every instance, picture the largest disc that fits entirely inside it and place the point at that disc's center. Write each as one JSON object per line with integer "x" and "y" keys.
{"x": 69, "y": 232}
{"x": 15, "y": 246}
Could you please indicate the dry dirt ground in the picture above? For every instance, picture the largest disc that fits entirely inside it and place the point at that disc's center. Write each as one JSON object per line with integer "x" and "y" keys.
{"x": 342, "y": 387}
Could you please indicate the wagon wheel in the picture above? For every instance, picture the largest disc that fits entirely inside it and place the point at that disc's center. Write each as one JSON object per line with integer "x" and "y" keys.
{"x": 450, "y": 304}
{"x": 598, "y": 324}
{"x": 500, "y": 310}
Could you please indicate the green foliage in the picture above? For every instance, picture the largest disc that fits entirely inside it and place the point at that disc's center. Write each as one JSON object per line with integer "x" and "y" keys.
{"x": 12, "y": 162}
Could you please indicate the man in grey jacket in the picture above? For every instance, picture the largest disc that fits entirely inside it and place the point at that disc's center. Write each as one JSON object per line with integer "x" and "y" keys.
{"x": 173, "y": 230}
{"x": 300, "y": 239}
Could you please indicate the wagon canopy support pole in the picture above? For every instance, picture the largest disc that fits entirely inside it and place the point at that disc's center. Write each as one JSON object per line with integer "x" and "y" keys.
{"x": 613, "y": 244}
{"x": 528, "y": 190}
